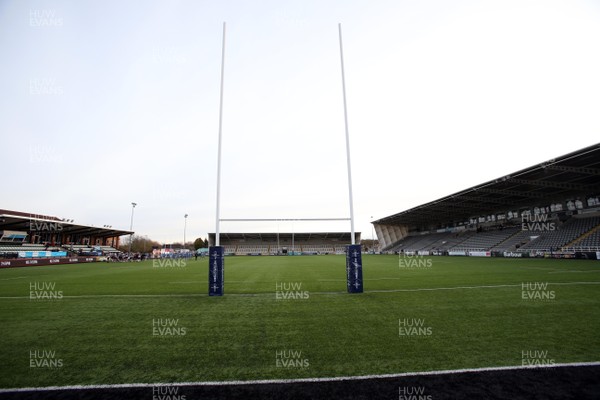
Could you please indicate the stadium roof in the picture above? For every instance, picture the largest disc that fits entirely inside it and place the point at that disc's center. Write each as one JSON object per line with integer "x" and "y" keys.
{"x": 574, "y": 175}
{"x": 20, "y": 221}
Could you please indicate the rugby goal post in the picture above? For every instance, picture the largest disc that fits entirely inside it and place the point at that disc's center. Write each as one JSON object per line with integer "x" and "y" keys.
{"x": 216, "y": 276}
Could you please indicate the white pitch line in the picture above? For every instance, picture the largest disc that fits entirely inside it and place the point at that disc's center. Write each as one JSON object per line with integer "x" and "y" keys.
{"x": 571, "y": 272}
{"x": 384, "y": 279}
{"x": 542, "y": 269}
{"x": 93, "y": 296}
{"x": 305, "y": 380}
{"x": 366, "y": 280}
{"x": 443, "y": 288}
{"x": 9, "y": 279}
{"x": 98, "y": 296}
{"x": 473, "y": 287}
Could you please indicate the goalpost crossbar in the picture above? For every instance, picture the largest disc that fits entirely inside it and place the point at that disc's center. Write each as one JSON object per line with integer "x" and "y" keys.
{"x": 280, "y": 219}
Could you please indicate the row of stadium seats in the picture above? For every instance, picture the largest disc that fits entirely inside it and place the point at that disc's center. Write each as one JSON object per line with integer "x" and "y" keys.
{"x": 590, "y": 241}
{"x": 109, "y": 249}
{"x": 251, "y": 249}
{"x": 315, "y": 248}
{"x": 551, "y": 236}
{"x": 269, "y": 248}
{"x": 486, "y": 240}
{"x": 513, "y": 242}
{"x": 87, "y": 248}
{"x": 423, "y": 242}
{"x": 12, "y": 249}
{"x": 29, "y": 247}
{"x": 562, "y": 235}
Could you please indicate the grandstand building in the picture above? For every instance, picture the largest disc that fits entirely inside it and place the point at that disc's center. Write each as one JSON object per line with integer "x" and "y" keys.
{"x": 284, "y": 243}
{"x": 33, "y": 239}
{"x": 549, "y": 209}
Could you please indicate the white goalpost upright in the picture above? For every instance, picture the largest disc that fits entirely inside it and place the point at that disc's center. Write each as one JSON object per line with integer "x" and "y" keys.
{"x": 347, "y": 137}
{"x": 216, "y": 252}
{"x": 218, "y": 225}
{"x": 216, "y": 273}
{"x": 354, "y": 278}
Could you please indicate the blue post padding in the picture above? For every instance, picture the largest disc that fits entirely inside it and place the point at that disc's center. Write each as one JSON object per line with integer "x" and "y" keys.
{"x": 216, "y": 264}
{"x": 354, "y": 275}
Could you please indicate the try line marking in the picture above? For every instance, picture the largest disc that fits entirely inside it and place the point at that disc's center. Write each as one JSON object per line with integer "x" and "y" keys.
{"x": 304, "y": 380}
{"x": 98, "y": 296}
{"x": 10, "y": 279}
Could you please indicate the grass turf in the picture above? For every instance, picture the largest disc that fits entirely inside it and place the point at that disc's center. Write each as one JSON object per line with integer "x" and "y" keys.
{"x": 102, "y": 328}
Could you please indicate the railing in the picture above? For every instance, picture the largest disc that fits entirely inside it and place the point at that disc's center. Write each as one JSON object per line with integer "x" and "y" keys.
{"x": 581, "y": 248}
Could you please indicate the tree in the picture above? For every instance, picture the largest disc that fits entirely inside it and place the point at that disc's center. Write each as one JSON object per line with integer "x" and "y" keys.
{"x": 200, "y": 243}
{"x": 139, "y": 244}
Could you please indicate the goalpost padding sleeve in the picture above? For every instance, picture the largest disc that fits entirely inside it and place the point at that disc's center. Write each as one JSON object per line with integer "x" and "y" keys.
{"x": 215, "y": 270}
{"x": 354, "y": 278}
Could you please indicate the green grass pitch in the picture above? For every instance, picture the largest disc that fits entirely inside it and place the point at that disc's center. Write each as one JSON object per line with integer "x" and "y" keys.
{"x": 108, "y": 327}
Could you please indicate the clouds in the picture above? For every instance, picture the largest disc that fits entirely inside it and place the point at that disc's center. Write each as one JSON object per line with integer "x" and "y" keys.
{"x": 441, "y": 97}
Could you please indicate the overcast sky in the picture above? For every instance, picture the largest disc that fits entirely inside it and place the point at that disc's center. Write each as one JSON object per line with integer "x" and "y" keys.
{"x": 104, "y": 103}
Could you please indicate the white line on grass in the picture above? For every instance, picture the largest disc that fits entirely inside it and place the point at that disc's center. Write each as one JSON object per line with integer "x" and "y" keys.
{"x": 472, "y": 287}
{"x": 384, "y": 279}
{"x": 93, "y": 296}
{"x": 9, "y": 279}
{"x": 543, "y": 269}
{"x": 305, "y": 380}
{"x": 99, "y": 296}
{"x": 368, "y": 280}
{"x": 569, "y": 272}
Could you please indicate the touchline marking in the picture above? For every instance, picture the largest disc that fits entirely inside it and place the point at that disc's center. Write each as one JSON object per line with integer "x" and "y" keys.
{"x": 384, "y": 279}
{"x": 94, "y": 296}
{"x": 97, "y": 296}
{"x": 468, "y": 287}
{"x": 304, "y": 380}
{"x": 572, "y": 272}
{"x": 544, "y": 269}
{"x": 8, "y": 279}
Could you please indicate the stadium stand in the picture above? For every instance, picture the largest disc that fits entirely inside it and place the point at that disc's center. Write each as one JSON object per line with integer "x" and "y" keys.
{"x": 26, "y": 236}
{"x": 229, "y": 249}
{"x": 421, "y": 242}
{"x": 252, "y": 249}
{"x": 549, "y": 208}
{"x": 561, "y": 235}
{"x": 76, "y": 248}
{"x": 588, "y": 242}
{"x": 318, "y": 248}
{"x": 284, "y": 243}
{"x": 582, "y": 232}
{"x": 483, "y": 241}
{"x": 4, "y": 249}
{"x": 449, "y": 240}
{"x": 514, "y": 242}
